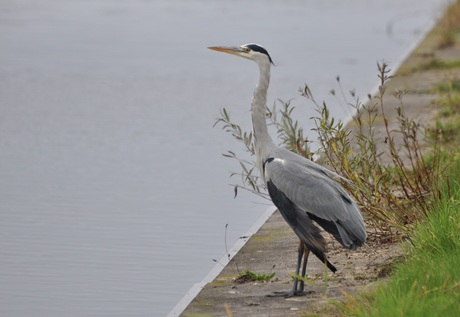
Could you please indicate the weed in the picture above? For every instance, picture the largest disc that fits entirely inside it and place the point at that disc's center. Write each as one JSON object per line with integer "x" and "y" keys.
{"x": 250, "y": 181}
{"x": 249, "y": 276}
{"x": 449, "y": 97}
{"x": 447, "y": 127}
{"x": 306, "y": 279}
{"x": 395, "y": 192}
{"x": 448, "y": 86}
{"x": 439, "y": 64}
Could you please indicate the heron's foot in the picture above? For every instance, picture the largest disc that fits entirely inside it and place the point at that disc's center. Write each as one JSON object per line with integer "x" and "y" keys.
{"x": 291, "y": 293}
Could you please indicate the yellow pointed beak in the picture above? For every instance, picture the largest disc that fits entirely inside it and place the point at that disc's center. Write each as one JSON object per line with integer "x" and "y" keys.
{"x": 234, "y": 50}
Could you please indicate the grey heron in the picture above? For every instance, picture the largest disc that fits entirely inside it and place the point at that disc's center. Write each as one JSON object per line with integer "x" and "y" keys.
{"x": 304, "y": 192}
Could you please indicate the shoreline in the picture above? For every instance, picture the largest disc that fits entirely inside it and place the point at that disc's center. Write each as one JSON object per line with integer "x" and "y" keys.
{"x": 221, "y": 264}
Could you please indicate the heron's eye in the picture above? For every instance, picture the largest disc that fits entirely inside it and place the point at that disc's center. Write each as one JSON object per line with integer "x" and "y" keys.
{"x": 246, "y": 49}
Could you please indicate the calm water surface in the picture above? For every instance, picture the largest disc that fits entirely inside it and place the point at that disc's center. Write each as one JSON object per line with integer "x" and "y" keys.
{"x": 114, "y": 195}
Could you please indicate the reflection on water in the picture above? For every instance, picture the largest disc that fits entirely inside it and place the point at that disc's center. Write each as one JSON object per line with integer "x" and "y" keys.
{"x": 113, "y": 192}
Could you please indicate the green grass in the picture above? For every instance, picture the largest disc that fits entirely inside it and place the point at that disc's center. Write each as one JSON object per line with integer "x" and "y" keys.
{"x": 448, "y": 86}
{"x": 439, "y": 64}
{"x": 249, "y": 276}
{"x": 448, "y": 124}
{"x": 449, "y": 105}
{"x": 428, "y": 282}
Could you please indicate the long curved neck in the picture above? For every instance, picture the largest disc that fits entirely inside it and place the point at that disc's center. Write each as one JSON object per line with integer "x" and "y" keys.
{"x": 262, "y": 140}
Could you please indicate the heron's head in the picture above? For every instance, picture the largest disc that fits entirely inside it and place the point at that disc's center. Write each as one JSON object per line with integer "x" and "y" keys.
{"x": 250, "y": 51}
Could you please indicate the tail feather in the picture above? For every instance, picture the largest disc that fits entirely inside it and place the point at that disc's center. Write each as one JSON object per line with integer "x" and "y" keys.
{"x": 323, "y": 259}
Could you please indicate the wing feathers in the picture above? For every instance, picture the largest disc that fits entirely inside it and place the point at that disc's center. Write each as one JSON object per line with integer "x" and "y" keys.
{"x": 312, "y": 191}
{"x": 302, "y": 225}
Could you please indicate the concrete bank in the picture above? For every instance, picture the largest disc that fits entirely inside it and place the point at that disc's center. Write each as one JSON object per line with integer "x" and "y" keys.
{"x": 273, "y": 247}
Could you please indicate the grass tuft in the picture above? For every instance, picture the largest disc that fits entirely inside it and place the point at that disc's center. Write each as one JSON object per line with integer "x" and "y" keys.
{"x": 249, "y": 276}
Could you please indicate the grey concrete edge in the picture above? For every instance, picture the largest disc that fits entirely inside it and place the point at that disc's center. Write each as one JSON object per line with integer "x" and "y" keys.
{"x": 195, "y": 290}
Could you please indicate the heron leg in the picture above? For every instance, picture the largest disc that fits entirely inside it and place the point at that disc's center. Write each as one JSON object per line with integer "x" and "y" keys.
{"x": 297, "y": 268}
{"x": 304, "y": 269}
{"x": 295, "y": 291}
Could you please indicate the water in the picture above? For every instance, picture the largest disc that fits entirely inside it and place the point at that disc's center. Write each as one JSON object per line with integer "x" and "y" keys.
{"x": 114, "y": 194}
